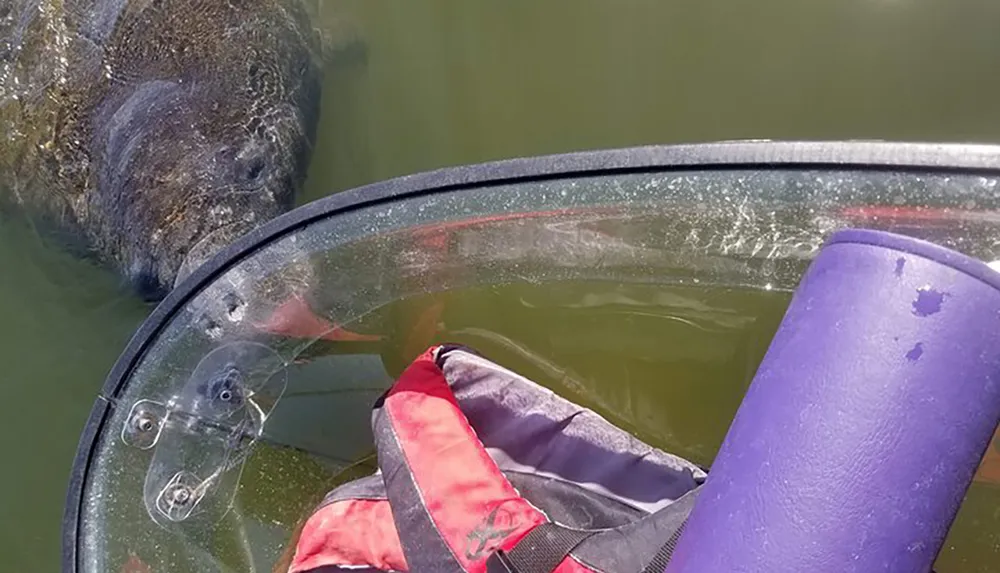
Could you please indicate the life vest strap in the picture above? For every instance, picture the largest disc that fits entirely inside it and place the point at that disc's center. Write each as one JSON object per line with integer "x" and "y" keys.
{"x": 549, "y": 544}
{"x": 540, "y": 551}
{"x": 450, "y": 501}
{"x": 662, "y": 558}
{"x": 481, "y": 471}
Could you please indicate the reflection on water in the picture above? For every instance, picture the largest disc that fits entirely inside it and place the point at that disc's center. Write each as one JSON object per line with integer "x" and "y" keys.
{"x": 449, "y": 83}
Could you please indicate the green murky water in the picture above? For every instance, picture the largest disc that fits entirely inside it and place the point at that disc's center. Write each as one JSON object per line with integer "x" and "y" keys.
{"x": 448, "y": 83}
{"x": 669, "y": 364}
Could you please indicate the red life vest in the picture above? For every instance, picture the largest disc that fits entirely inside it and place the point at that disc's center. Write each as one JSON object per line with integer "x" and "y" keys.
{"x": 481, "y": 470}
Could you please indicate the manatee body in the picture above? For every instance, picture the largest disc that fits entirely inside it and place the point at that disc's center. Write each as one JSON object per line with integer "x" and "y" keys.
{"x": 156, "y": 131}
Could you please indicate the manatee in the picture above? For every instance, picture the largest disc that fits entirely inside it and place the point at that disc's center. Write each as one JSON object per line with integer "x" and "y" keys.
{"x": 155, "y": 132}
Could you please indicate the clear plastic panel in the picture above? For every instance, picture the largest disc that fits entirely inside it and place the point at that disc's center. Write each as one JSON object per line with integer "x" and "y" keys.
{"x": 187, "y": 459}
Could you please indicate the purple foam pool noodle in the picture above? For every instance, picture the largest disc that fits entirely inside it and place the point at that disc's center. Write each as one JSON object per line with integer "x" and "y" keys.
{"x": 866, "y": 421}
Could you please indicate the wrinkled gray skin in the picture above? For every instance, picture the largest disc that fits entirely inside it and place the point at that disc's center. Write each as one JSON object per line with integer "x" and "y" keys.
{"x": 156, "y": 131}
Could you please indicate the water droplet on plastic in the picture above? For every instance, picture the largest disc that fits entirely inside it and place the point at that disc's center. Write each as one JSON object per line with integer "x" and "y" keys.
{"x": 211, "y": 328}
{"x": 767, "y": 268}
{"x": 235, "y": 307}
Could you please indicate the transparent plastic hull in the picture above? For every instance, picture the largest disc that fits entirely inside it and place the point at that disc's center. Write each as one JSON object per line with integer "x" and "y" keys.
{"x": 249, "y": 388}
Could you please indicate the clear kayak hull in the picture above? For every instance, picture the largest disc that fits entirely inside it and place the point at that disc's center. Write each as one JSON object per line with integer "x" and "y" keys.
{"x": 277, "y": 346}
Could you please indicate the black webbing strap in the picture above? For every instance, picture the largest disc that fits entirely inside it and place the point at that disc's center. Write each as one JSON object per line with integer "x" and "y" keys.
{"x": 540, "y": 551}
{"x": 544, "y": 547}
{"x": 662, "y": 557}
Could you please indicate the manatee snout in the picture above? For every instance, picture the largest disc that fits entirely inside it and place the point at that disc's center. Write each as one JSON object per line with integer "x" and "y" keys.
{"x": 180, "y": 185}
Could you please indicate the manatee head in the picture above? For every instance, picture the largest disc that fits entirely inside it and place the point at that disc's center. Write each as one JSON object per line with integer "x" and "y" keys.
{"x": 205, "y": 131}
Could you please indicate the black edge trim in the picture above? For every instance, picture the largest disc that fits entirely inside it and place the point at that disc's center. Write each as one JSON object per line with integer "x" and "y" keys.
{"x": 77, "y": 481}
{"x": 762, "y": 154}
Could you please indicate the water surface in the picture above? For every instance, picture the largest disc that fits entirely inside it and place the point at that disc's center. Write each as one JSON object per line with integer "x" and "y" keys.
{"x": 448, "y": 83}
